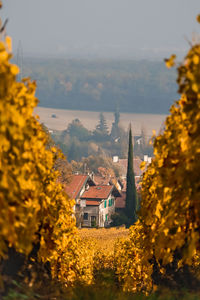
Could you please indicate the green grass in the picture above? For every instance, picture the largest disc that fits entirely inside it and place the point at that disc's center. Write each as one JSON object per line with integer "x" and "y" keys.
{"x": 95, "y": 292}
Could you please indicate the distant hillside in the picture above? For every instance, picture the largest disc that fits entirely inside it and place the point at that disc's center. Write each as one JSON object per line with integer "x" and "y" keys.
{"x": 133, "y": 86}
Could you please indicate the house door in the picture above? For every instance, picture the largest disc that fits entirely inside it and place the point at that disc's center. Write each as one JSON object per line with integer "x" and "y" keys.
{"x": 93, "y": 221}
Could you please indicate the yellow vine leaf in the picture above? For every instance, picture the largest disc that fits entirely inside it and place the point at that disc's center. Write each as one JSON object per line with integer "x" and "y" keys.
{"x": 195, "y": 87}
{"x": 170, "y": 62}
{"x": 196, "y": 59}
{"x": 14, "y": 69}
{"x": 9, "y": 43}
{"x": 198, "y": 18}
{"x": 143, "y": 165}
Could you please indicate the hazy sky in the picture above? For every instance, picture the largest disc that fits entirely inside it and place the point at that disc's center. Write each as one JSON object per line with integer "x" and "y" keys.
{"x": 87, "y": 27}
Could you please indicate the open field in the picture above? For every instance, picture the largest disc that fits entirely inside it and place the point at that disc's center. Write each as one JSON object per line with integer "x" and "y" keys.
{"x": 90, "y": 119}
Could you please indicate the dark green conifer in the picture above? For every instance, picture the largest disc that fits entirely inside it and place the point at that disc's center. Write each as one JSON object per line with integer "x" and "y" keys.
{"x": 131, "y": 194}
{"x": 102, "y": 126}
{"x": 101, "y": 132}
{"x": 115, "y": 130}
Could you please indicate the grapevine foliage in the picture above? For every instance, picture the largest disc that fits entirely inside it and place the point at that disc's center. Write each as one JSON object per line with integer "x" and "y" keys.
{"x": 34, "y": 208}
{"x": 171, "y": 185}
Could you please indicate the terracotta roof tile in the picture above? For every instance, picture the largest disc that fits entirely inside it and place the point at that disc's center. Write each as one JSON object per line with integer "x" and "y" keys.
{"x": 92, "y": 203}
{"x": 99, "y": 180}
{"x": 123, "y": 163}
{"x": 120, "y": 202}
{"x": 97, "y": 192}
{"x": 74, "y": 187}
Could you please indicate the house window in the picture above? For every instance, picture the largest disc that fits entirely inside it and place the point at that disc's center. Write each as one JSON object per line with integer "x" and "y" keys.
{"x": 105, "y": 203}
{"x": 110, "y": 202}
{"x": 106, "y": 217}
{"x": 85, "y": 216}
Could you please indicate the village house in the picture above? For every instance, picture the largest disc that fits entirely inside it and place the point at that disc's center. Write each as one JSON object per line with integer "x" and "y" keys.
{"x": 77, "y": 186}
{"x": 95, "y": 199}
{"x": 99, "y": 205}
{"x": 107, "y": 180}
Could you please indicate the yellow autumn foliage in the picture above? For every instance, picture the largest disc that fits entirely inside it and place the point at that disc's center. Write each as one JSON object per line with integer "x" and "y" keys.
{"x": 100, "y": 245}
{"x": 133, "y": 269}
{"x": 171, "y": 184}
{"x": 34, "y": 208}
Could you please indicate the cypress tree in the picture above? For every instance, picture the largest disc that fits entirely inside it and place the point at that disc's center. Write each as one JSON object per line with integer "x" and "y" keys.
{"x": 131, "y": 195}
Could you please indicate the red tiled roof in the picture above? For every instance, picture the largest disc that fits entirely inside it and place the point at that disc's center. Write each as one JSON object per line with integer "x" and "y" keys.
{"x": 92, "y": 202}
{"x": 98, "y": 192}
{"x": 123, "y": 163}
{"x": 99, "y": 180}
{"x": 120, "y": 202}
{"x": 74, "y": 187}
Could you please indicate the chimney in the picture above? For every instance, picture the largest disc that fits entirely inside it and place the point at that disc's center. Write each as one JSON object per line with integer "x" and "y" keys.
{"x": 115, "y": 159}
{"x": 91, "y": 175}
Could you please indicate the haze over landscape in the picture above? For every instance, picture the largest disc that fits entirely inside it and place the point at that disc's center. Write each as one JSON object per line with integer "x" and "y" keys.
{"x": 96, "y": 29}
{"x": 101, "y": 55}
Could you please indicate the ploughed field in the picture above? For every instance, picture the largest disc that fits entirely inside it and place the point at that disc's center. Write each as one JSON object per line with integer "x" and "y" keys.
{"x": 58, "y": 119}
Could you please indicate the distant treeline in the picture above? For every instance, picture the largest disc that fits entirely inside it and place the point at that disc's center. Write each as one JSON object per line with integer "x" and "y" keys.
{"x": 96, "y": 148}
{"x": 132, "y": 86}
